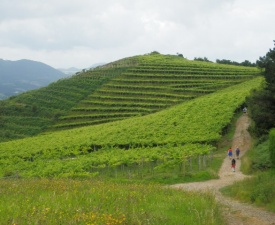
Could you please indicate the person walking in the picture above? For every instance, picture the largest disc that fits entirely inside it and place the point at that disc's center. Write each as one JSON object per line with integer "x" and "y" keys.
{"x": 230, "y": 153}
{"x": 233, "y": 165}
{"x": 238, "y": 152}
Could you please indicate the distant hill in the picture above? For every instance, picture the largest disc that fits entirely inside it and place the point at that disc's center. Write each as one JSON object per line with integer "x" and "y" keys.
{"x": 23, "y": 75}
{"x": 74, "y": 70}
{"x": 69, "y": 71}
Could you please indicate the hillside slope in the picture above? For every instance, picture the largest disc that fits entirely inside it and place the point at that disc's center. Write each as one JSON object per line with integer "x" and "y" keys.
{"x": 23, "y": 75}
{"x": 170, "y": 136}
{"x": 129, "y": 87}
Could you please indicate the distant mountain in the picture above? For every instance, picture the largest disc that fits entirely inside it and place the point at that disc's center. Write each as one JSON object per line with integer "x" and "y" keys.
{"x": 69, "y": 71}
{"x": 23, "y": 75}
{"x": 74, "y": 70}
{"x": 97, "y": 64}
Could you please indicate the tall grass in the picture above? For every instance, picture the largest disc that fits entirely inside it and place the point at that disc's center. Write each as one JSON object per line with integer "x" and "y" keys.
{"x": 67, "y": 201}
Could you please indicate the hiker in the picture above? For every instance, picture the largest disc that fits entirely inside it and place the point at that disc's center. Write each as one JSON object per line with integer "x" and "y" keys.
{"x": 237, "y": 152}
{"x": 233, "y": 165}
{"x": 230, "y": 153}
{"x": 244, "y": 110}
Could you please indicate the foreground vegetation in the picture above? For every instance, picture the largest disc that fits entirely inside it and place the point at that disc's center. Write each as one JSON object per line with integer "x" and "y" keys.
{"x": 66, "y": 201}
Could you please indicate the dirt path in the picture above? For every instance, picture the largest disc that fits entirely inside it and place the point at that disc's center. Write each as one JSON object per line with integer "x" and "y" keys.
{"x": 235, "y": 212}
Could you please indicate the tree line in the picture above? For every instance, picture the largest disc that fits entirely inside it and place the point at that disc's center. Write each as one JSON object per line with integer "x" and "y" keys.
{"x": 261, "y": 103}
{"x": 228, "y": 62}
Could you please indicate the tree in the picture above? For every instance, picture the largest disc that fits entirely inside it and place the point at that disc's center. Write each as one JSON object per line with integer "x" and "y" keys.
{"x": 268, "y": 64}
{"x": 202, "y": 59}
{"x": 248, "y": 63}
{"x": 261, "y": 103}
{"x": 154, "y": 53}
{"x": 229, "y": 62}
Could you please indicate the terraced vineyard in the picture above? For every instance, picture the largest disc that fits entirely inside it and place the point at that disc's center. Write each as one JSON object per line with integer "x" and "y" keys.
{"x": 32, "y": 112}
{"x": 129, "y": 87}
{"x": 170, "y": 137}
{"x": 155, "y": 82}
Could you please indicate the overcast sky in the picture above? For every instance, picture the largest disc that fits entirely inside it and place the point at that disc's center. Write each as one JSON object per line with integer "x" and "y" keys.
{"x": 80, "y": 33}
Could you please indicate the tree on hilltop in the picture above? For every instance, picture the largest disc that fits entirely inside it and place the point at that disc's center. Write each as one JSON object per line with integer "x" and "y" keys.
{"x": 154, "y": 53}
{"x": 247, "y": 63}
{"x": 229, "y": 62}
{"x": 204, "y": 59}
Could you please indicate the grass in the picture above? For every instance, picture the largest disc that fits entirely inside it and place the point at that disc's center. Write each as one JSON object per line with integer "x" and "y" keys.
{"x": 165, "y": 176}
{"x": 257, "y": 159}
{"x": 67, "y": 201}
{"x": 258, "y": 190}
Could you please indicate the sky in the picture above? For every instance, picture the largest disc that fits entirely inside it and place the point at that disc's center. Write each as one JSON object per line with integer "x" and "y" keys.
{"x": 81, "y": 33}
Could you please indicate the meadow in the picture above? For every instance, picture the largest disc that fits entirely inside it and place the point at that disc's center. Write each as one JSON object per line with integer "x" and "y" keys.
{"x": 67, "y": 201}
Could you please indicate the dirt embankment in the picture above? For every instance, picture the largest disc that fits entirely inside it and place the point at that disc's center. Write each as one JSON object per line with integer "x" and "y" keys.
{"x": 235, "y": 212}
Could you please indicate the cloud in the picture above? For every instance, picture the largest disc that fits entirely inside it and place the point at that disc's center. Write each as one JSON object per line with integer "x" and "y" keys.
{"x": 69, "y": 33}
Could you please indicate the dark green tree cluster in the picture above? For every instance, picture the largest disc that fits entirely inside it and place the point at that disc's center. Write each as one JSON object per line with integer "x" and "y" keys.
{"x": 261, "y": 103}
{"x": 268, "y": 63}
{"x": 202, "y": 59}
{"x": 229, "y": 62}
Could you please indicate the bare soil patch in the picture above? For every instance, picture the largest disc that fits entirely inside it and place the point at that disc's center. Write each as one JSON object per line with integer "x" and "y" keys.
{"x": 235, "y": 212}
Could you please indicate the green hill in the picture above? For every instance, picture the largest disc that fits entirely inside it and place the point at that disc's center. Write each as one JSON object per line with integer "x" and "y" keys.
{"x": 129, "y": 87}
{"x": 167, "y": 139}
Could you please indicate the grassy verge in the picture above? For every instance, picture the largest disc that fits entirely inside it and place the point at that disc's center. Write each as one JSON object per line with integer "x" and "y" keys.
{"x": 68, "y": 201}
{"x": 258, "y": 190}
{"x": 257, "y": 159}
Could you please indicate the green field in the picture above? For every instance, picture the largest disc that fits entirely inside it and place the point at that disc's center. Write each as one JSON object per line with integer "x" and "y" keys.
{"x": 52, "y": 202}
